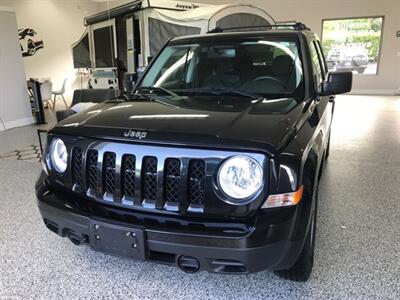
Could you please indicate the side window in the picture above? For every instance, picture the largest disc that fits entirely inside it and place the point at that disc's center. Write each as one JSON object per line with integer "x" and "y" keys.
{"x": 317, "y": 68}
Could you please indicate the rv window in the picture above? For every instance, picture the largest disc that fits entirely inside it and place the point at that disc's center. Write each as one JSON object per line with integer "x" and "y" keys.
{"x": 81, "y": 54}
{"x": 104, "y": 47}
{"x": 160, "y": 32}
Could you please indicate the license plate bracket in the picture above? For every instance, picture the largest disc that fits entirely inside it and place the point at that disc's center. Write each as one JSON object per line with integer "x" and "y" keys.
{"x": 117, "y": 240}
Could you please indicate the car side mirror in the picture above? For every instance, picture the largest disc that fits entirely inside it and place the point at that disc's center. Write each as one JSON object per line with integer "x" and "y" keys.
{"x": 337, "y": 83}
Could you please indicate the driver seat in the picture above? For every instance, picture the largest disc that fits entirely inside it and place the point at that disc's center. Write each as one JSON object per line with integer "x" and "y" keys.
{"x": 283, "y": 69}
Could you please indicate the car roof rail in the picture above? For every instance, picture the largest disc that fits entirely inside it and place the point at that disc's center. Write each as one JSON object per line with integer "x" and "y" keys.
{"x": 294, "y": 26}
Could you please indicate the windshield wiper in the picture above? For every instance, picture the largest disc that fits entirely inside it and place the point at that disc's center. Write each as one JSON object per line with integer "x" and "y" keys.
{"x": 148, "y": 97}
{"x": 136, "y": 96}
{"x": 157, "y": 88}
{"x": 223, "y": 90}
{"x": 239, "y": 92}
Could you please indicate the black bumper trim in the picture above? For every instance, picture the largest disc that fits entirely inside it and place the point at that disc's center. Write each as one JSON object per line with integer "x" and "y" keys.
{"x": 273, "y": 256}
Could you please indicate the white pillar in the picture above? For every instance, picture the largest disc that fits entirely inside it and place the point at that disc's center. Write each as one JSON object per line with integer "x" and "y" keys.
{"x": 15, "y": 109}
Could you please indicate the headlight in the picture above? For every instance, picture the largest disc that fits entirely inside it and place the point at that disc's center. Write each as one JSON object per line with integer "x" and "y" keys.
{"x": 240, "y": 177}
{"x": 58, "y": 155}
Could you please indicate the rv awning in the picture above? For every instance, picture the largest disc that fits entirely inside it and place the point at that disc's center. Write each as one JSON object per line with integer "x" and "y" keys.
{"x": 114, "y": 12}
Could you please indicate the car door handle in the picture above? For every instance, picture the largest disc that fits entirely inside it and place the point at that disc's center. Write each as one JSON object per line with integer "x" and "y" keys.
{"x": 332, "y": 98}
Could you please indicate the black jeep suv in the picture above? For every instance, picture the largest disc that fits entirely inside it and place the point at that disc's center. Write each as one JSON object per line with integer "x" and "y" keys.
{"x": 211, "y": 163}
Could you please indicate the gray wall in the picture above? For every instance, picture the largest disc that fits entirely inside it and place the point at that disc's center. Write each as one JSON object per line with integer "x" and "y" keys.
{"x": 59, "y": 23}
{"x": 14, "y": 101}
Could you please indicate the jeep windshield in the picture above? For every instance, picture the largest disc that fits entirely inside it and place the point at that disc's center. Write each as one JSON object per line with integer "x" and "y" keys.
{"x": 245, "y": 67}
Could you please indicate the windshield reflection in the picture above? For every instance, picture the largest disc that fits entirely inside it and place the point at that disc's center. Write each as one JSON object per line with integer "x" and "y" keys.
{"x": 260, "y": 68}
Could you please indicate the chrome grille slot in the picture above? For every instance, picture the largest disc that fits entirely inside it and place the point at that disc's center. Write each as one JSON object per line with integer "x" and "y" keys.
{"x": 172, "y": 183}
{"x": 149, "y": 181}
{"x": 197, "y": 176}
{"x": 109, "y": 175}
{"x": 76, "y": 168}
{"x": 128, "y": 173}
{"x": 91, "y": 171}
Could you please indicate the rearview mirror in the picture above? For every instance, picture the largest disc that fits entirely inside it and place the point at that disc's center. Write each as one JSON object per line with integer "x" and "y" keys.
{"x": 337, "y": 83}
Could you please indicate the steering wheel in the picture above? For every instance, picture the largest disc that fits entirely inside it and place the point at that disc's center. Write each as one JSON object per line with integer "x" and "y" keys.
{"x": 280, "y": 83}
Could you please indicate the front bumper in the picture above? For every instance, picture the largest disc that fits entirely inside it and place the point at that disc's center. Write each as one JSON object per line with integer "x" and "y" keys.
{"x": 216, "y": 247}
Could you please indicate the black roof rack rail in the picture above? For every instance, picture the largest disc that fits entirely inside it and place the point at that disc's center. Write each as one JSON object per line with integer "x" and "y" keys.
{"x": 295, "y": 26}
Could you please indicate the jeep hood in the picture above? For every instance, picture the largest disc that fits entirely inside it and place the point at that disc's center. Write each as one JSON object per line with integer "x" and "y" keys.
{"x": 263, "y": 125}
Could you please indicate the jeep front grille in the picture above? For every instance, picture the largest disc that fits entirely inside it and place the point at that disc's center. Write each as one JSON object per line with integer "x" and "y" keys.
{"x": 123, "y": 179}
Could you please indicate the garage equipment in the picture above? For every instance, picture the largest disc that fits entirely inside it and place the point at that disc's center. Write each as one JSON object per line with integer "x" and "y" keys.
{"x": 36, "y": 101}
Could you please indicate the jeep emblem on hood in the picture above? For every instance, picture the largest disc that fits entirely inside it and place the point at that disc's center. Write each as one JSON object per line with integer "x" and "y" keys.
{"x": 135, "y": 134}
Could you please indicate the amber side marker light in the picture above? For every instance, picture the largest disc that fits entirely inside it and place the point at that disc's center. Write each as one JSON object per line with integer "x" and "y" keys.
{"x": 286, "y": 199}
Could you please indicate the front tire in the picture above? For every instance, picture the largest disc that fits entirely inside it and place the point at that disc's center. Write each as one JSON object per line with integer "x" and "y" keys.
{"x": 302, "y": 269}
